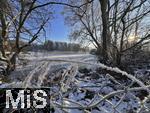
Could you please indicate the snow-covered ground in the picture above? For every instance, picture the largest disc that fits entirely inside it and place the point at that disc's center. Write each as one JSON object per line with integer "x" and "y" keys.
{"x": 56, "y": 55}
{"x": 75, "y": 81}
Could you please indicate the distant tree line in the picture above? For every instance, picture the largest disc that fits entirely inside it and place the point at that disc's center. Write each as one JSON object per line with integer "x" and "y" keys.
{"x": 56, "y": 46}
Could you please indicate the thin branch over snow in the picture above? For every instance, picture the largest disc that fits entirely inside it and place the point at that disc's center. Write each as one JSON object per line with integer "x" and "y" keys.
{"x": 117, "y": 70}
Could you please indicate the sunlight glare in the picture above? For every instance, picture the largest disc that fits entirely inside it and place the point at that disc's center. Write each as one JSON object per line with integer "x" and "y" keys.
{"x": 131, "y": 38}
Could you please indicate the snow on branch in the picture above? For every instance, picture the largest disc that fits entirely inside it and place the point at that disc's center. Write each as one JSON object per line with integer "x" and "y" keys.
{"x": 117, "y": 70}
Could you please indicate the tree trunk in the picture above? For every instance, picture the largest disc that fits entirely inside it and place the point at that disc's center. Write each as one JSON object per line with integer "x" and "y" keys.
{"x": 11, "y": 66}
{"x": 118, "y": 59}
{"x": 104, "y": 4}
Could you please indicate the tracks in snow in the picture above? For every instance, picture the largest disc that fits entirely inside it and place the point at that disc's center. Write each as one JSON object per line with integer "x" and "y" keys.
{"x": 47, "y": 73}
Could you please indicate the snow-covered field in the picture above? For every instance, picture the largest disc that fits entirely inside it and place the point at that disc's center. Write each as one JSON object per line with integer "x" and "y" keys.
{"x": 77, "y": 83}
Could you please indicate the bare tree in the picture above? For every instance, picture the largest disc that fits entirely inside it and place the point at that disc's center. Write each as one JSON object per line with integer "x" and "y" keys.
{"x": 86, "y": 24}
{"x": 126, "y": 24}
{"x": 111, "y": 25}
{"x": 16, "y": 18}
{"x": 92, "y": 22}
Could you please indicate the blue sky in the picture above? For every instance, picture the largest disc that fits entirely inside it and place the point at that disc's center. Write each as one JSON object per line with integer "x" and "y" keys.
{"x": 57, "y": 30}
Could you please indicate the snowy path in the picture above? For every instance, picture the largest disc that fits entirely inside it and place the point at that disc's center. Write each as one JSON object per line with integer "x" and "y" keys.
{"x": 76, "y": 57}
{"x": 62, "y": 56}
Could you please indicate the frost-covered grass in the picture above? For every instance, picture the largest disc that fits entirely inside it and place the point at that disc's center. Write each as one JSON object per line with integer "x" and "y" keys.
{"x": 77, "y": 85}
